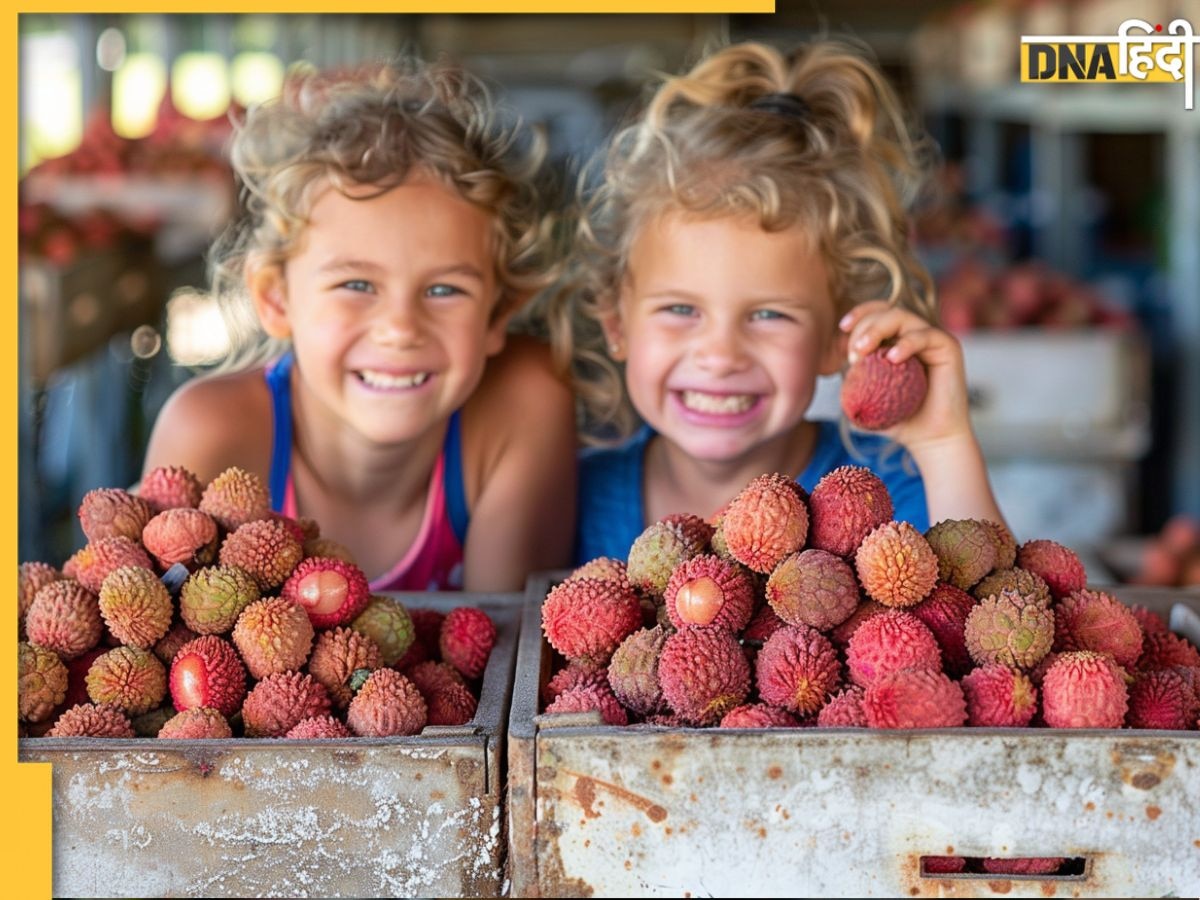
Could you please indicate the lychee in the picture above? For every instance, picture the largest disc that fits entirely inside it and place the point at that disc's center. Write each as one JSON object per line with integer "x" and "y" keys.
{"x": 385, "y": 621}
{"x": 130, "y": 678}
{"x": 1006, "y": 546}
{"x": 663, "y": 546}
{"x": 585, "y": 699}
{"x": 91, "y": 720}
{"x": 273, "y": 635}
{"x": 843, "y": 710}
{"x": 846, "y": 505}
{"x": 1162, "y": 698}
{"x": 281, "y": 701}
{"x": 466, "y": 640}
{"x": 336, "y": 655}
{"x": 170, "y": 487}
{"x": 586, "y": 619}
{"x": 185, "y": 536}
{"x": 965, "y": 548}
{"x": 914, "y": 698}
{"x": 708, "y": 590}
{"x": 1159, "y": 651}
{"x": 896, "y": 565}
{"x": 208, "y": 672}
{"x": 178, "y": 635}
{"x": 1094, "y": 620}
{"x": 265, "y": 549}
{"x": 112, "y": 512}
{"x": 387, "y": 704}
{"x": 91, "y": 565}
{"x": 331, "y": 591}
{"x": 41, "y": 682}
{"x": 1009, "y": 629}
{"x": 447, "y": 699}
{"x": 633, "y": 671}
{"x": 813, "y": 587}
{"x": 236, "y": 497}
{"x": 31, "y": 578}
{"x": 574, "y": 676}
{"x": 212, "y": 598}
{"x": 136, "y": 606}
{"x": 1026, "y": 583}
{"x": 319, "y": 728}
{"x": 1057, "y": 565}
{"x": 945, "y": 613}
{"x": 196, "y": 723}
{"x": 1028, "y": 865}
{"x": 759, "y": 715}
{"x": 999, "y": 696}
{"x": 878, "y": 393}
{"x": 1084, "y": 689}
{"x": 797, "y": 669}
{"x": 888, "y": 642}
{"x": 64, "y": 617}
{"x": 765, "y": 522}
{"x": 703, "y": 674}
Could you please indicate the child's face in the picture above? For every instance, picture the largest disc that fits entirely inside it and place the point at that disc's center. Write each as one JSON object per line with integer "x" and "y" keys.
{"x": 724, "y": 328}
{"x": 388, "y": 304}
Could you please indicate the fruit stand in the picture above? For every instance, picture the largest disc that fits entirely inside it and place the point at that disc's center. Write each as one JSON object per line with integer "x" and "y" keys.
{"x": 653, "y": 811}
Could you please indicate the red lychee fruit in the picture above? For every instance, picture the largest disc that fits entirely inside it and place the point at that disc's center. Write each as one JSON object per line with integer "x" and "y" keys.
{"x": 586, "y": 619}
{"x": 1029, "y": 865}
{"x": 998, "y": 696}
{"x": 196, "y": 723}
{"x": 1159, "y": 651}
{"x": 265, "y": 549}
{"x": 319, "y": 728}
{"x": 708, "y": 590}
{"x": 945, "y": 613}
{"x": 840, "y": 636}
{"x": 208, "y": 672}
{"x": 943, "y": 865}
{"x": 448, "y": 700}
{"x": 64, "y": 617}
{"x": 914, "y": 698}
{"x": 896, "y": 565}
{"x": 170, "y": 487}
{"x": 90, "y": 720}
{"x": 129, "y": 678}
{"x": 584, "y": 699}
{"x": 1162, "y": 698}
{"x": 387, "y": 704}
{"x": 1094, "y": 620}
{"x": 236, "y": 497}
{"x": 91, "y": 565}
{"x": 602, "y": 567}
{"x": 466, "y": 640}
{"x": 759, "y": 715}
{"x": 888, "y": 642}
{"x": 281, "y": 701}
{"x": 846, "y": 505}
{"x": 336, "y": 655}
{"x": 136, "y": 606}
{"x": 1083, "y": 689}
{"x": 331, "y": 591}
{"x": 703, "y": 674}
{"x": 813, "y": 587}
{"x": 878, "y": 393}
{"x": 844, "y": 710}
{"x": 574, "y": 676}
{"x": 1058, "y": 566}
{"x": 179, "y": 635}
{"x": 797, "y": 669}
{"x": 762, "y": 625}
{"x": 31, "y": 578}
{"x": 273, "y": 635}
{"x": 112, "y": 512}
{"x": 1151, "y": 622}
{"x": 185, "y": 536}
{"x": 765, "y": 522}
{"x": 1006, "y": 546}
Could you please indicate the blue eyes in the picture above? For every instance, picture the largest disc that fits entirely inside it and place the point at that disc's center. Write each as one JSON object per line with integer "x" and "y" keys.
{"x": 680, "y": 309}
{"x": 443, "y": 290}
{"x": 759, "y": 315}
{"x": 358, "y": 285}
{"x": 362, "y": 286}
{"x": 766, "y": 315}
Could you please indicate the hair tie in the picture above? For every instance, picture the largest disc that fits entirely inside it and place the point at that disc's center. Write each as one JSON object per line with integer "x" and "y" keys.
{"x": 791, "y": 106}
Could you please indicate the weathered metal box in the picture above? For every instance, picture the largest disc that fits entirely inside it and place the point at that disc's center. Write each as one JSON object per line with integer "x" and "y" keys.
{"x": 649, "y": 811}
{"x": 395, "y": 817}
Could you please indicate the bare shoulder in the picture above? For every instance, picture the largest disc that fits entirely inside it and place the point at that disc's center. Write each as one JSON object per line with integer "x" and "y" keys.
{"x": 523, "y": 373}
{"x": 214, "y": 422}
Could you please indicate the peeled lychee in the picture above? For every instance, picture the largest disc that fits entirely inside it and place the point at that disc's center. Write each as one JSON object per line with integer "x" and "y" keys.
{"x": 813, "y": 587}
{"x": 708, "y": 590}
{"x": 331, "y": 591}
{"x": 586, "y": 619}
{"x": 208, "y": 672}
{"x": 387, "y": 704}
{"x": 914, "y": 698}
{"x": 41, "y": 682}
{"x": 1057, "y": 565}
{"x": 878, "y": 393}
{"x": 281, "y": 701}
{"x": 896, "y": 565}
{"x": 765, "y": 522}
{"x": 130, "y": 678}
{"x": 846, "y": 505}
{"x": 466, "y": 640}
{"x": 273, "y": 635}
{"x": 112, "y": 512}
{"x": 196, "y": 723}
{"x": 1083, "y": 689}
{"x": 236, "y": 497}
{"x": 999, "y": 696}
{"x": 136, "y": 606}
{"x": 797, "y": 669}
{"x": 703, "y": 674}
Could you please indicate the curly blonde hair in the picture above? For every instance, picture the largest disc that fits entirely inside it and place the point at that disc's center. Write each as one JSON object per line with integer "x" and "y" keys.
{"x": 372, "y": 126}
{"x": 838, "y": 161}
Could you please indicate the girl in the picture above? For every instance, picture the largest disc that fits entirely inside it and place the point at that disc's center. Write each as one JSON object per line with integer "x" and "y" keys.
{"x": 730, "y": 256}
{"x": 390, "y": 232}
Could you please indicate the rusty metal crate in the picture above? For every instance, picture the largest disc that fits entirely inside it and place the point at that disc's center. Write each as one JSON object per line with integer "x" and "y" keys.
{"x": 400, "y": 816}
{"x": 651, "y": 811}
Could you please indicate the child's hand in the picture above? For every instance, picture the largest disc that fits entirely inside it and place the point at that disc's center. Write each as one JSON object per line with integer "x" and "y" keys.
{"x": 944, "y": 416}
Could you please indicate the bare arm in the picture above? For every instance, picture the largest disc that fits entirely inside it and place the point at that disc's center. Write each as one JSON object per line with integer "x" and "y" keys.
{"x": 523, "y": 519}
{"x": 210, "y": 424}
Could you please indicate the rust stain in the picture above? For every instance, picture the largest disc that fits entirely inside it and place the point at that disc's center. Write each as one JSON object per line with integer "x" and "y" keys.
{"x": 587, "y": 843}
{"x": 204, "y": 768}
{"x": 786, "y": 815}
{"x": 417, "y": 776}
{"x": 1143, "y": 768}
{"x": 1153, "y": 812}
{"x": 437, "y": 795}
{"x": 667, "y": 779}
{"x": 1197, "y": 843}
{"x": 1000, "y": 887}
{"x": 636, "y": 830}
{"x": 1049, "y": 889}
{"x": 762, "y": 832}
{"x": 656, "y": 765}
{"x": 845, "y": 835}
{"x": 914, "y": 891}
{"x": 1108, "y": 814}
{"x": 692, "y": 797}
{"x": 949, "y": 849}
{"x": 585, "y": 793}
{"x": 774, "y": 772}
{"x": 628, "y": 865}
{"x": 1089, "y": 806}
{"x": 669, "y": 830}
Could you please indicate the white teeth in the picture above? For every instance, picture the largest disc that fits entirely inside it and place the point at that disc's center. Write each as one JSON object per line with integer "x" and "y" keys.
{"x": 392, "y": 382}
{"x": 726, "y": 404}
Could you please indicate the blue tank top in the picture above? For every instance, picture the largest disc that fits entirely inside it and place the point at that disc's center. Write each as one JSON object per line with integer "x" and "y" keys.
{"x": 279, "y": 383}
{"x": 612, "y": 513}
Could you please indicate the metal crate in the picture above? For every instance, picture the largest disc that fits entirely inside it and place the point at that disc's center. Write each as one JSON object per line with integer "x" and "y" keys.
{"x": 649, "y": 811}
{"x": 397, "y": 816}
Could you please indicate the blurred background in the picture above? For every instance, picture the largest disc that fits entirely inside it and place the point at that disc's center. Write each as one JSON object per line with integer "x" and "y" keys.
{"x": 1064, "y": 233}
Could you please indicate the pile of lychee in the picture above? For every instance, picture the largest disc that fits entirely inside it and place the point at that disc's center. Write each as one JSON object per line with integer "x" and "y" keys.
{"x": 196, "y": 612}
{"x": 789, "y": 610}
